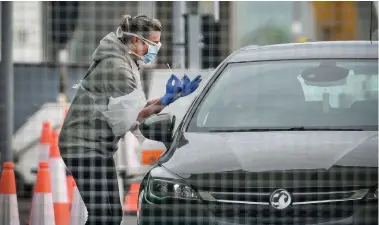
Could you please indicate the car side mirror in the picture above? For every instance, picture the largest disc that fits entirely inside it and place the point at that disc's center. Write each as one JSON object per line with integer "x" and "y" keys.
{"x": 159, "y": 127}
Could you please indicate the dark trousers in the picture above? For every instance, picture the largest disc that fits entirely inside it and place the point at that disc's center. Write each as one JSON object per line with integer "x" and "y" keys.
{"x": 96, "y": 179}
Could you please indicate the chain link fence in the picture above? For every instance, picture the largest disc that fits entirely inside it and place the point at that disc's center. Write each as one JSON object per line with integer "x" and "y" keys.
{"x": 53, "y": 42}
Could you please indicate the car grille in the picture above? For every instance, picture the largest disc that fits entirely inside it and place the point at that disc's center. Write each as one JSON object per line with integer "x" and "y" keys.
{"x": 295, "y": 215}
{"x": 306, "y": 206}
{"x": 298, "y": 198}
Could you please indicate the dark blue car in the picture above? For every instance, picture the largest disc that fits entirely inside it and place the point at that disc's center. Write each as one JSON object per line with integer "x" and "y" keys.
{"x": 282, "y": 134}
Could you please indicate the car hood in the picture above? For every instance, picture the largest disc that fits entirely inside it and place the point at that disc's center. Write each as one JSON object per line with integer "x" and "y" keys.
{"x": 209, "y": 154}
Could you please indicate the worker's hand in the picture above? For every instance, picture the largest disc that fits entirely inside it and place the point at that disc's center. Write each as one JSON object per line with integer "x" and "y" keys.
{"x": 190, "y": 86}
{"x": 173, "y": 89}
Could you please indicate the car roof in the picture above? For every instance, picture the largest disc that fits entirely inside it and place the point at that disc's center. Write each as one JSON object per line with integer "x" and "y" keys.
{"x": 308, "y": 50}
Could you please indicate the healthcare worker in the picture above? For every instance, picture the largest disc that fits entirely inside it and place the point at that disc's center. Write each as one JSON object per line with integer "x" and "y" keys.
{"x": 109, "y": 102}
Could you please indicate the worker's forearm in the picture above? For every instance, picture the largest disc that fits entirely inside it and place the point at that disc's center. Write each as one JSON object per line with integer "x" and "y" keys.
{"x": 152, "y": 109}
{"x": 152, "y": 101}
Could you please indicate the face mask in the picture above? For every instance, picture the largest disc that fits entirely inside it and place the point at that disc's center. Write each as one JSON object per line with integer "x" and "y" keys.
{"x": 151, "y": 53}
{"x": 152, "y": 50}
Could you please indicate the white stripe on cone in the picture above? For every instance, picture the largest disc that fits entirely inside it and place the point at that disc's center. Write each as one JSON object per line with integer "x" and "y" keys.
{"x": 79, "y": 214}
{"x": 9, "y": 210}
{"x": 43, "y": 152}
{"x": 58, "y": 180}
{"x": 42, "y": 209}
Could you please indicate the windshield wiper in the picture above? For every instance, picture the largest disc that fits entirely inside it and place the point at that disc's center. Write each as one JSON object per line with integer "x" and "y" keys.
{"x": 284, "y": 129}
{"x": 322, "y": 129}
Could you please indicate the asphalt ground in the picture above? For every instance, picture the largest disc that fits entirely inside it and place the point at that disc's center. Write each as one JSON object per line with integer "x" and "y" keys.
{"x": 24, "y": 212}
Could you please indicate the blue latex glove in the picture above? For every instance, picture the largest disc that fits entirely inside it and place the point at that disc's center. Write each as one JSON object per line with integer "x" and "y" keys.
{"x": 190, "y": 86}
{"x": 173, "y": 89}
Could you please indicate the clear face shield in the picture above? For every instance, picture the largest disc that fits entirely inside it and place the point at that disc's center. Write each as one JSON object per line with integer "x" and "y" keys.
{"x": 153, "y": 47}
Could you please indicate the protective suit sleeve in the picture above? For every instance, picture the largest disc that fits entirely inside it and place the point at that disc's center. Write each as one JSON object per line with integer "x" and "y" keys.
{"x": 126, "y": 101}
{"x": 119, "y": 82}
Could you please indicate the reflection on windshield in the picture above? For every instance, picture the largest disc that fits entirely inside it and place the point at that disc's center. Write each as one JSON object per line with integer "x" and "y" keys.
{"x": 273, "y": 94}
{"x": 357, "y": 85}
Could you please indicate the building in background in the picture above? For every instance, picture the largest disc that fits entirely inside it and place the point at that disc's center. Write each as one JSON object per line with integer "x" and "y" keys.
{"x": 347, "y": 20}
{"x": 28, "y": 32}
{"x": 260, "y": 23}
{"x": 77, "y": 27}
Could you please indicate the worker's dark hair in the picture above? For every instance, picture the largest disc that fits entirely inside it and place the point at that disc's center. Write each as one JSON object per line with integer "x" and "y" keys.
{"x": 141, "y": 25}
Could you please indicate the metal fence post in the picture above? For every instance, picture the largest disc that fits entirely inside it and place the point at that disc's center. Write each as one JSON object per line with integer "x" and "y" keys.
{"x": 194, "y": 42}
{"x": 178, "y": 34}
{"x": 6, "y": 79}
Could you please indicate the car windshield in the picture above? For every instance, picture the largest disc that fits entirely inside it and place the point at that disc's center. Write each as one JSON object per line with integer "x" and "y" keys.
{"x": 276, "y": 95}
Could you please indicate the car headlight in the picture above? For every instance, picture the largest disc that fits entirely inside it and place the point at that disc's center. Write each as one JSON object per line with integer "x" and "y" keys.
{"x": 376, "y": 194}
{"x": 165, "y": 189}
{"x": 372, "y": 194}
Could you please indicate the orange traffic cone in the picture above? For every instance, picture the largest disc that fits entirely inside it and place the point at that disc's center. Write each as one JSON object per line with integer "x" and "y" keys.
{"x": 8, "y": 197}
{"x": 42, "y": 203}
{"x": 79, "y": 214}
{"x": 58, "y": 183}
{"x": 44, "y": 148}
{"x": 131, "y": 199}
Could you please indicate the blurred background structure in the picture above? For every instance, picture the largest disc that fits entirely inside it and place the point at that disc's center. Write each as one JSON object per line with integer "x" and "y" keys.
{"x": 53, "y": 41}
